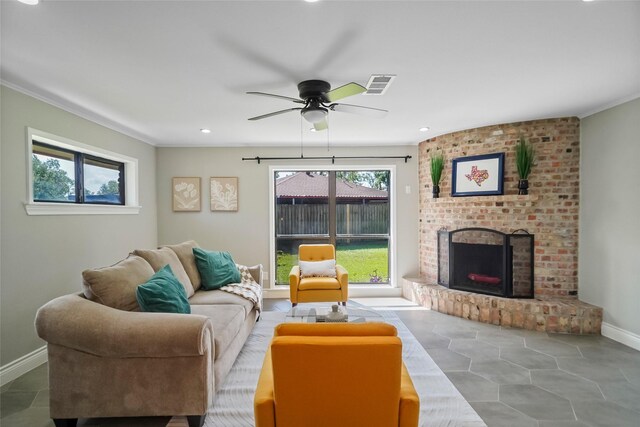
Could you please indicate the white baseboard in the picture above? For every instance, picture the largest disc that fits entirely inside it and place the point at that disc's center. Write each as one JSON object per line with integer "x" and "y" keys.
{"x": 21, "y": 366}
{"x": 621, "y": 335}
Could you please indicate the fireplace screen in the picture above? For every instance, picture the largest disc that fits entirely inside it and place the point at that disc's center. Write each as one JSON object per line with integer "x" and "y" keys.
{"x": 486, "y": 261}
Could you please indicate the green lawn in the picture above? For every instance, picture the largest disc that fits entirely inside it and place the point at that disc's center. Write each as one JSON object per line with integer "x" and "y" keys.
{"x": 361, "y": 260}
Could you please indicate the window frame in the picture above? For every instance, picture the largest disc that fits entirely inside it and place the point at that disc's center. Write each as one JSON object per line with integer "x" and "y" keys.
{"x": 128, "y": 185}
{"x": 393, "y": 283}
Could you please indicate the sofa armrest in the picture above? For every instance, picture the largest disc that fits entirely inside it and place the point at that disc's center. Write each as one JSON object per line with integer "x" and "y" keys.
{"x": 264, "y": 406}
{"x": 256, "y": 273}
{"x": 75, "y": 322}
{"x": 409, "y": 401}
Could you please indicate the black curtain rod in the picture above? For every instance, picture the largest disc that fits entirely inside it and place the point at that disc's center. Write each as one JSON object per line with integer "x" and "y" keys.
{"x": 332, "y": 158}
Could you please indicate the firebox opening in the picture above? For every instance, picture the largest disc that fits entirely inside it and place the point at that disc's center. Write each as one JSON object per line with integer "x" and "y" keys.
{"x": 486, "y": 261}
{"x": 480, "y": 268}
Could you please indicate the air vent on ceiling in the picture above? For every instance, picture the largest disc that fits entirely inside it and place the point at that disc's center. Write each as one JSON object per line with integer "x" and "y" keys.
{"x": 379, "y": 83}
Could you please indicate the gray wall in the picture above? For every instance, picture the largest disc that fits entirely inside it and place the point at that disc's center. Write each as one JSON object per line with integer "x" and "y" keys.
{"x": 246, "y": 233}
{"x": 42, "y": 256}
{"x": 609, "y": 262}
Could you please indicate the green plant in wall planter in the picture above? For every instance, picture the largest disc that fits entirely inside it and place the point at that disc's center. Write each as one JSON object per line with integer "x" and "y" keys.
{"x": 525, "y": 156}
{"x": 437, "y": 166}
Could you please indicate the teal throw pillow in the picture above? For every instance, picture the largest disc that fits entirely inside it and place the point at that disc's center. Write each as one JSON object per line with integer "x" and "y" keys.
{"x": 163, "y": 293}
{"x": 216, "y": 268}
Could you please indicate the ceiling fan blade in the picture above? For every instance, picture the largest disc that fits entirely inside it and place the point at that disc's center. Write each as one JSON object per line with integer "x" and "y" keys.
{"x": 358, "y": 109}
{"x": 275, "y": 113}
{"x": 321, "y": 125}
{"x": 344, "y": 91}
{"x": 299, "y": 101}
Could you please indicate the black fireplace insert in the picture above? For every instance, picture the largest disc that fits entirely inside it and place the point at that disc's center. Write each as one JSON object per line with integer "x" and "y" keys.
{"x": 486, "y": 261}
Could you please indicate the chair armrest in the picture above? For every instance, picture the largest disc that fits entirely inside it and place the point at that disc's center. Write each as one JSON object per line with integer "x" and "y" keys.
{"x": 294, "y": 277}
{"x": 75, "y": 322}
{"x": 264, "y": 407}
{"x": 342, "y": 275}
{"x": 409, "y": 401}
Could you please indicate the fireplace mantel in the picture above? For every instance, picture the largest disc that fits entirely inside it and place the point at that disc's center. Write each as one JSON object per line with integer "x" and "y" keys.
{"x": 488, "y": 200}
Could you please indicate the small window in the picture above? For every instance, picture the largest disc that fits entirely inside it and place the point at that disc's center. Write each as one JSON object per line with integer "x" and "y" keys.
{"x": 67, "y": 176}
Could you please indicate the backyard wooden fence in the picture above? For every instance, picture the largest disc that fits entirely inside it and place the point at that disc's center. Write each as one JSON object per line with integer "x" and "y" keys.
{"x": 314, "y": 219}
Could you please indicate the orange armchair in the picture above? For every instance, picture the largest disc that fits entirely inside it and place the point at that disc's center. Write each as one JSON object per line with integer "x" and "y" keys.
{"x": 318, "y": 289}
{"x": 324, "y": 375}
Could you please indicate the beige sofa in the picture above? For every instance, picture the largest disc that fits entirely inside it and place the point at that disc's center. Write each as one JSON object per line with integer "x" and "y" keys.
{"x": 108, "y": 359}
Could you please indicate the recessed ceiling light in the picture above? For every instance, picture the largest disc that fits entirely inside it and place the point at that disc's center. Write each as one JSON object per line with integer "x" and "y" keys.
{"x": 205, "y": 130}
{"x": 310, "y": 1}
{"x": 424, "y": 129}
{"x": 30, "y": 2}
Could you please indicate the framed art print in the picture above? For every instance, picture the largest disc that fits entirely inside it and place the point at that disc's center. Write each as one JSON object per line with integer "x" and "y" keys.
{"x": 224, "y": 194}
{"x": 186, "y": 194}
{"x": 478, "y": 175}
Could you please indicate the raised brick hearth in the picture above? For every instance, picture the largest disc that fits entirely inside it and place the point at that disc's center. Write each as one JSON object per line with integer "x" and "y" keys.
{"x": 548, "y": 314}
{"x": 549, "y": 211}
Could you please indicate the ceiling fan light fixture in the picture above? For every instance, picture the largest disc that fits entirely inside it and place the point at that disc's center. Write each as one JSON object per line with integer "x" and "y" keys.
{"x": 314, "y": 115}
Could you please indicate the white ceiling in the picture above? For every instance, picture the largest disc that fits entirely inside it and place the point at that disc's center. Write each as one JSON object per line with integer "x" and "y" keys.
{"x": 161, "y": 70}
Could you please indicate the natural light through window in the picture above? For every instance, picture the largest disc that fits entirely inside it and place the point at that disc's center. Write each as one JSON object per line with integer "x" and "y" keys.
{"x": 349, "y": 208}
{"x": 69, "y": 177}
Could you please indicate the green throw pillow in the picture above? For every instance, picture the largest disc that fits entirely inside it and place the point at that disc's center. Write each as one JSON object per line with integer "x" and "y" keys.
{"x": 163, "y": 293}
{"x": 216, "y": 268}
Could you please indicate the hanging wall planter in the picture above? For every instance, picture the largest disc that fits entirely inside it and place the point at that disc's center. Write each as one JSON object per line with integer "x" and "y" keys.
{"x": 437, "y": 165}
{"x": 525, "y": 156}
{"x": 523, "y": 186}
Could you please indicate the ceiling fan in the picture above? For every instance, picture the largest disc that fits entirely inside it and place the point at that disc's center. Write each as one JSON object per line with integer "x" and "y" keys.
{"x": 318, "y": 99}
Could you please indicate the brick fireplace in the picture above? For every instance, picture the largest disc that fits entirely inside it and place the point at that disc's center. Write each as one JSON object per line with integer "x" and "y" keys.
{"x": 549, "y": 211}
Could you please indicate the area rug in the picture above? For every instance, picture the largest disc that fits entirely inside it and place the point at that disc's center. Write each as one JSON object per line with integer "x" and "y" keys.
{"x": 440, "y": 403}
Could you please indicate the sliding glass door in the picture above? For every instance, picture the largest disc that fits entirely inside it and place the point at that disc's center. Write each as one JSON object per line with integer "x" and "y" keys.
{"x": 347, "y": 208}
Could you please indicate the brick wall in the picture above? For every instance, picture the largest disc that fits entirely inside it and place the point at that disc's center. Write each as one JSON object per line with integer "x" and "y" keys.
{"x": 550, "y": 211}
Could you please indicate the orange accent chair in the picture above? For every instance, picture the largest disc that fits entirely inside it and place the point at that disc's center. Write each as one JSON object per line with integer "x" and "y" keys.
{"x": 318, "y": 289}
{"x": 319, "y": 375}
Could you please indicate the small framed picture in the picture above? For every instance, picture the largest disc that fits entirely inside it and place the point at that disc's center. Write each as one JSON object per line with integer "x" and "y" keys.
{"x": 478, "y": 175}
{"x": 224, "y": 194}
{"x": 186, "y": 194}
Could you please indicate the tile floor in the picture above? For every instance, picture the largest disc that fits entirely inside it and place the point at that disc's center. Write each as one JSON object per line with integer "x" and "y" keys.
{"x": 511, "y": 377}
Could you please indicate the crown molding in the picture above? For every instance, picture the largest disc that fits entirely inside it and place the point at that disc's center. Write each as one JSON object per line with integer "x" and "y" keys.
{"x": 79, "y": 111}
{"x": 609, "y": 105}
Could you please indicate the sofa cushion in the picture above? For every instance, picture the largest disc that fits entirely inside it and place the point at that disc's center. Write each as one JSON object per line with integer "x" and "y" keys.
{"x": 115, "y": 286}
{"x": 227, "y": 320}
{"x": 218, "y": 297}
{"x": 163, "y": 293}
{"x": 158, "y": 258}
{"x": 216, "y": 268}
{"x": 184, "y": 251}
